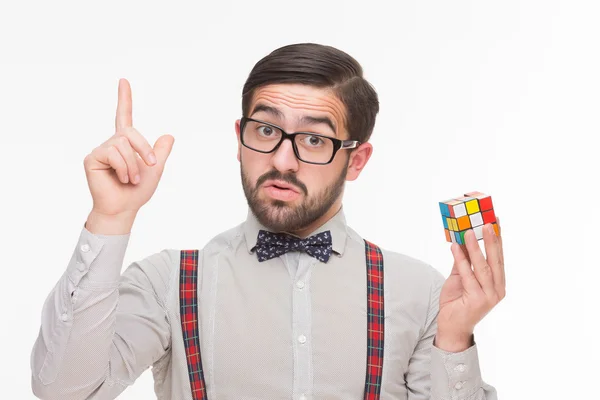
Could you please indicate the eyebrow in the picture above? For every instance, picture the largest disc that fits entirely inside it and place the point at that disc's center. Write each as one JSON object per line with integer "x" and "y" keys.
{"x": 307, "y": 119}
{"x": 268, "y": 109}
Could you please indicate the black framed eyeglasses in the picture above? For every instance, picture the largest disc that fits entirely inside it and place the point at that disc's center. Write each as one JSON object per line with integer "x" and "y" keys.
{"x": 311, "y": 148}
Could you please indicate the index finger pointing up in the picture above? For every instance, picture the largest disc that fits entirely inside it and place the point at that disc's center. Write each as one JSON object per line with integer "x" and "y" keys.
{"x": 124, "y": 119}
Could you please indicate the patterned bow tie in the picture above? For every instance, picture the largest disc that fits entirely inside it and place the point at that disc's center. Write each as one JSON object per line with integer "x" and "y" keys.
{"x": 270, "y": 245}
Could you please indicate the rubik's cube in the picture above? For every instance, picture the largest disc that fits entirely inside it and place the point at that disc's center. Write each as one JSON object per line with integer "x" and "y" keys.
{"x": 471, "y": 211}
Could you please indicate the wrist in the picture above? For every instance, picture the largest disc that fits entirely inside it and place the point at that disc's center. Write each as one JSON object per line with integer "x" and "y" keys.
{"x": 453, "y": 342}
{"x": 114, "y": 224}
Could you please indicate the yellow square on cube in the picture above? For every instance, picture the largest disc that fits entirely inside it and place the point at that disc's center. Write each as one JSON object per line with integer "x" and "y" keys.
{"x": 472, "y": 206}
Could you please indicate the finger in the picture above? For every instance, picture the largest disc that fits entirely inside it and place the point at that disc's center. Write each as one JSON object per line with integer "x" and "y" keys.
{"x": 481, "y": 268}
{"x": 500, "y": 239}
{"x": 140, "y": 145}
{"x": 163, "y": 147}
{"x": 463, "y": 248}
{"x": 492, "y": 252}
{"x": 111, "y": 157}
{"x": 124, "y": 118}
{"x": 470, "y": 283}
{"x": 122, "y": 144}
{"x": 501, "y": 246}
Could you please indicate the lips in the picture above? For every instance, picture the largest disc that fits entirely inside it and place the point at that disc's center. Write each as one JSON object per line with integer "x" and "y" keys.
{"x": 282, "y": 191}
{"x": 281, "y": 185}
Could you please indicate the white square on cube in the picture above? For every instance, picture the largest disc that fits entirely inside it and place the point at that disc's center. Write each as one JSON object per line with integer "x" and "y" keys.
{"x": 460, "y": 210}
{"x": 452, "y": 237}
{"x": 478, "y": 230}
{"x": 476, "y": 219}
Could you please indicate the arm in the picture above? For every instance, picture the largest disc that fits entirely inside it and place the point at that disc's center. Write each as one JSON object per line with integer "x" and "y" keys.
{"x": 100, "y": 330}
{"x": 436, "y": 374}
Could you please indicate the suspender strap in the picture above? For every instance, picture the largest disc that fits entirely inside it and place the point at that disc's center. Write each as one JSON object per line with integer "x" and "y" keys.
{"x": 375, "y": 319}
{"x": 188, "y": 310}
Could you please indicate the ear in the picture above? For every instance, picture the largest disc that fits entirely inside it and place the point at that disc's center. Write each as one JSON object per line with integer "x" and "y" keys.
{"x": 237, "y": 132}
{"x": 358, "y": 159}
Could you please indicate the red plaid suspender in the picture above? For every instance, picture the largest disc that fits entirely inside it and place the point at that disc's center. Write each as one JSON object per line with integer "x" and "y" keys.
{"x": 188, "y": 308}
{"x": 375, "y": 318}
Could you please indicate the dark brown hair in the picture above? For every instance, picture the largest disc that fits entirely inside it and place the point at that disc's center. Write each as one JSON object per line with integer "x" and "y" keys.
{"x": 323, "y": 67}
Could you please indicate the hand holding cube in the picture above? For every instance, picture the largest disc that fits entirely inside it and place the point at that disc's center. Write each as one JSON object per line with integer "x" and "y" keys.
{"x": 477, "y": 282}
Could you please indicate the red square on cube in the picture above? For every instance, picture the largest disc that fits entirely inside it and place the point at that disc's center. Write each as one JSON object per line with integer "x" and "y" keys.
{"x": 489, "y": 217}
{"x": 486, "y": 204}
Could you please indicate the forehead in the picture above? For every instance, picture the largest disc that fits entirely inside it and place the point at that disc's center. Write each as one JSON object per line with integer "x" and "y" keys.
{"x": 297, "y": 100}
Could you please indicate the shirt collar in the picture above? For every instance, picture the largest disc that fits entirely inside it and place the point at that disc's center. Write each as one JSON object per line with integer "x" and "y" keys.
{"x": 336, "y": 225}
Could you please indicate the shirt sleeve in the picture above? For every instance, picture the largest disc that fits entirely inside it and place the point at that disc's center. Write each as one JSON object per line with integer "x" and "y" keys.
{"x": 100, "y": 330}
{"x": 435, "y": 374}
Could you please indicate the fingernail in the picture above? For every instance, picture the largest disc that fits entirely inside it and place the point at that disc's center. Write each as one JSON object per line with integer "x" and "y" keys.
{"x": 490, "y": 229}
{"x": 126, "y": 178}
{"x": 152, "y": 158}
{"x": 136, "y": 179}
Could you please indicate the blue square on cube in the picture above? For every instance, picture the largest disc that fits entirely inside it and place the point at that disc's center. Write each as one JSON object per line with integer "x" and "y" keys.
{"x": 444, "y": 209}
{"x": 457, "y": 236}
{"x": 445, "y": 222}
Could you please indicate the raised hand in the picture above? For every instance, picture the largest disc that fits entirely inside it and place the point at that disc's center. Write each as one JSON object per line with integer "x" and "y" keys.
{"x": 123, "y": 172}
{"x": 470, "y": 293}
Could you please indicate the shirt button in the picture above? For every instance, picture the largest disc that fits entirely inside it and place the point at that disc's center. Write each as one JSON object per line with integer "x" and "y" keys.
{"x": 302, "y": 397}
{"x": 300, "y": 284}
{"x": 85, "y": 248}
{"x": 64, "y": 317}
{"x": 460, "y": 368}
{"x": 302, "y": 339}
{"x": 458, "y": 385}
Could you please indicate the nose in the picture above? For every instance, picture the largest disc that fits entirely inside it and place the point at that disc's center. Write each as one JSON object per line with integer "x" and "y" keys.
{"x": 284, "y": 159}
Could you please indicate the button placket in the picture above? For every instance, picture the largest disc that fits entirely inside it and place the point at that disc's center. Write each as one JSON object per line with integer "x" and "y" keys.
{"x": 302, "y": 327}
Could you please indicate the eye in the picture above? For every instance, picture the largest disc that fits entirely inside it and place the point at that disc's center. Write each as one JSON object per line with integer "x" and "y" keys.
{"x": 313, "y": 141}
{"x": 265, "y": 130}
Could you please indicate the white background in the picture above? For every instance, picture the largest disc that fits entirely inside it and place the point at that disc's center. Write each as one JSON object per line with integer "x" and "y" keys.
{"x": 500, "y": 97}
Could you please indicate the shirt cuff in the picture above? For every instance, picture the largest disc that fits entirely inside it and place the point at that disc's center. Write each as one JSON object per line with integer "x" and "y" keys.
{"x": 455, "y": 375}
{"x": 98, "y": 259}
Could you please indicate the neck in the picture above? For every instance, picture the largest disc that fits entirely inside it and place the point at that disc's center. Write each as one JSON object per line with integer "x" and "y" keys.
{"x": 307, "y": 230}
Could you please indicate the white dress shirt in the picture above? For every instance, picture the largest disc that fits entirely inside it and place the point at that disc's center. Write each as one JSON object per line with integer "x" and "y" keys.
{"x": 291, "y": 327}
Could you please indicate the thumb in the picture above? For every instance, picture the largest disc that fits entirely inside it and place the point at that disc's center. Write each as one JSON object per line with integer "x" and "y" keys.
{"x": 162, "y": 148}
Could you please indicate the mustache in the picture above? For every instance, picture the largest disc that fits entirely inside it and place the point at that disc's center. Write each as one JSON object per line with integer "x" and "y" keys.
{"x": 288, "y": 178}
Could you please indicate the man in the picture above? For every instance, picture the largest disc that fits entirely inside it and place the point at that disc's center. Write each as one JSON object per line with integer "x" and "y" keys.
{"x": 290, "y": 304}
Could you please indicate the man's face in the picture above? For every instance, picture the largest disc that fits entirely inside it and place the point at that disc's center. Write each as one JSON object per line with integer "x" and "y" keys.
{"x": 285, "y": 193}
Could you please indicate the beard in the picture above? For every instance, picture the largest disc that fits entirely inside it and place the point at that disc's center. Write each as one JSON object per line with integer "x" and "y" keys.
{"x": 278, "y": 215}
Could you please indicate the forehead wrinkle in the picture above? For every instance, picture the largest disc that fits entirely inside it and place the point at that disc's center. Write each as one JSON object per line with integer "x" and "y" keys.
{"x": 332, "y": 104}
{"x": 333, "y": 101}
